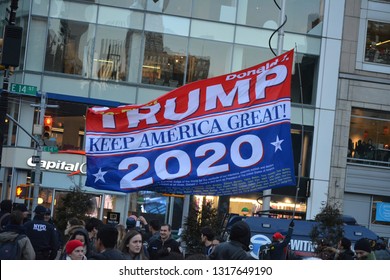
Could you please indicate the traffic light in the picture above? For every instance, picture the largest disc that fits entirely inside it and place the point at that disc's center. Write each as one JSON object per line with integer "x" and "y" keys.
{"x": 47, "y": 126}
{"x": 12, "y": 43}
{"x": 21, "y": 191}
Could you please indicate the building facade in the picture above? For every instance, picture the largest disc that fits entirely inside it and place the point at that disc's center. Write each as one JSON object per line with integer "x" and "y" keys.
{"x": 87, "y": 53}
{"x": 360, "y": 167}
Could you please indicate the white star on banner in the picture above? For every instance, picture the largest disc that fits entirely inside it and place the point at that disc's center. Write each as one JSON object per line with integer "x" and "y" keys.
{"x": 100, "y": 175}
{"x": 277, "y": 143}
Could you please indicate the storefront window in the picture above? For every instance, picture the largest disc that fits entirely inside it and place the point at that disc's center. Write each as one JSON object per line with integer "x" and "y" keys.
{"x": 282, "y": 206}
{"x": 381, "y": 210}
{"x": 377, "y": 42}
{"x": 45, "y": 197}
{"x": 69, "y": 45}
{"x": 164, "y": 59}
{"x": 150, "y": 203}
{"x": 369, "y": 138}
{"x": 94, "y": 203}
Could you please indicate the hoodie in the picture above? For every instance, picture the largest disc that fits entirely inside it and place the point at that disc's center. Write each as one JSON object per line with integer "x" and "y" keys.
{"x": 10, "y": 233}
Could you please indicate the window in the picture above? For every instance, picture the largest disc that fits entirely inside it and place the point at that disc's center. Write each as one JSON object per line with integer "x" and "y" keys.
{"x": 378, "y": 42}
{"x": 68, "y": 46}
{"x": 68, "y": 124}
{"x": 164, "y": 59}
{"x": 307, "y": 65}
{"x": 93, "y": 204}
{"x": 216, "y": 61}
{"x": 302, "y": 16}
{"x": 117, "y": 54}
{"x": 217, "y": 10}
{"x": 173, "y": 7}
{"x": 373, "y": 49}
{"x": 247, "y": 56}
{"x": 369, "y": 138}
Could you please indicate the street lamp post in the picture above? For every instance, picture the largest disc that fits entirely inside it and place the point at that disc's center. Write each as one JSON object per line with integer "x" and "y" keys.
{"x": 38, "y": 136}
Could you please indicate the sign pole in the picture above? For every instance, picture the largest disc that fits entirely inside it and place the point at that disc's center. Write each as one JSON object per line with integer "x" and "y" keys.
{"x": 37, "y": 171}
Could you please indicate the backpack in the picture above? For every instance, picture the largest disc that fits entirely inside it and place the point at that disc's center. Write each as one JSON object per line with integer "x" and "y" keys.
{"x": 10, "y": 250}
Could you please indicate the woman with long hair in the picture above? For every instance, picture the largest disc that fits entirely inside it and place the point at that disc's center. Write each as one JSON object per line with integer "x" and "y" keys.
{"x": 121, "y": 234}
{"x": 132, "y": 246}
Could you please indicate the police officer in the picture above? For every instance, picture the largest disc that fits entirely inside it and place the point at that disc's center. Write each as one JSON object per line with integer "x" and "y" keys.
{"x": 43, "y": 235}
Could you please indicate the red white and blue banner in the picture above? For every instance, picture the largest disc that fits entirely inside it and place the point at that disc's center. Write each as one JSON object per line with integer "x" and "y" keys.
{"x": 221, "y": 136}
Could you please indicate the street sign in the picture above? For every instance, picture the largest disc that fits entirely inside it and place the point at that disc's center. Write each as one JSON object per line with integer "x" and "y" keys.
{"x": 36, "y": 159}
{"x": 23, "y": 89}
{"x": 51, "y": 149}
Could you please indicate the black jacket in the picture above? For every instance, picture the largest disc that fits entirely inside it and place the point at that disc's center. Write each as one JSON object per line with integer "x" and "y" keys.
{"x": 278, "y": 250}
{"x": 230, "y": 250}
{"x": 109, "y": 254}
{"x": 157, "y": 247}
{"x": 346, "y": 255}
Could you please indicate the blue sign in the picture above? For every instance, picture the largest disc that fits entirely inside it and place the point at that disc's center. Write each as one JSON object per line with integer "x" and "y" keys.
{"x": 382, "y": 212}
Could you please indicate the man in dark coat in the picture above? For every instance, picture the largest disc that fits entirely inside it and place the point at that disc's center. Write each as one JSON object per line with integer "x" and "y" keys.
{"x": 238, "y": 245}
{"x": 43, "y": 235}
{"x": 343, "y": 250}
{"x": 164, "y": 245}
{"x": 106, "y": 240}
{"x": 279, "y": 246}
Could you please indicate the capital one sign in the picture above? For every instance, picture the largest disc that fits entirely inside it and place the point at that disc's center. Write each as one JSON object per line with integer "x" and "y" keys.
{"x": 59, "y": 165}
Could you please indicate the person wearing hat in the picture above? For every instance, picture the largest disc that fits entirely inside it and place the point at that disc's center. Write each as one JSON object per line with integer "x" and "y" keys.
{"x": 22, "y": 208}
{"x": 47, "y": 215}
{"x": 237, "y": 247}
{"x": 131, "y": 222}
{"x": 74, "y": 250}
{"x": 279, "y": 246}
{"x": 363, "y": 250}
{"x": 42, "y": 235}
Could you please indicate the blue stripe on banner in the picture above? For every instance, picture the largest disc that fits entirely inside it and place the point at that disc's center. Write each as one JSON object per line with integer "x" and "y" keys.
{"x": 240, "y": 163}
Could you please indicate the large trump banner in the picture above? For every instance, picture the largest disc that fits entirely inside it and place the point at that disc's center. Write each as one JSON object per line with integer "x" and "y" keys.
{"x": 225, "y": 135}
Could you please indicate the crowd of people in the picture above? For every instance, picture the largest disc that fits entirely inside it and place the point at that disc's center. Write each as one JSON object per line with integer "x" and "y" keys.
{"x": 39, "y": 239}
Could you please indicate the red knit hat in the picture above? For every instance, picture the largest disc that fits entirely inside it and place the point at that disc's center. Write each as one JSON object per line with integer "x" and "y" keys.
{"x": 72, "y": 244}
{"x": 278, "y": 236}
